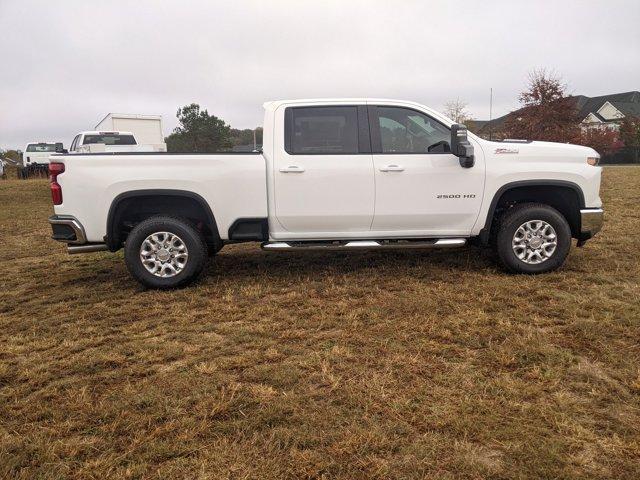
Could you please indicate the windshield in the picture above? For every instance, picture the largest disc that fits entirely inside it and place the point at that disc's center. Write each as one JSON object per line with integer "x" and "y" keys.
{"x": 41, "y": 147}
{"x": 109, "y": 139}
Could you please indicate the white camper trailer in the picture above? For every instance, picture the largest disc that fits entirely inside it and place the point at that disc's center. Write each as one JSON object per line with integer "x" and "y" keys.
{"x": 147, "y": 129}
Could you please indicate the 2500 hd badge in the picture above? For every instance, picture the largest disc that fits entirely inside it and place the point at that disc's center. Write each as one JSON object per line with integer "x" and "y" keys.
{"x": 457, "y": 195}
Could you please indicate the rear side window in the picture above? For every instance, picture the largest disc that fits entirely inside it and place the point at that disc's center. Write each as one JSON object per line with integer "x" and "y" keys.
{"x": 109, "y": 139}
{"x": 321, "y": 130}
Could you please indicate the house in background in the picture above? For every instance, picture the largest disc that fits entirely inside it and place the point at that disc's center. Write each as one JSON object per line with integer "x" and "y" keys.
{"x": 605, "y": 111}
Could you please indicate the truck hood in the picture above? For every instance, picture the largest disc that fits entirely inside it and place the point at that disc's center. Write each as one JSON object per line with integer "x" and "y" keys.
{"x": 538, "y": 149}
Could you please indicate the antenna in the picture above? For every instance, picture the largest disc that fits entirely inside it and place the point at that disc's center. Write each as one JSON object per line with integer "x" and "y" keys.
{"x": 490, "y": 111}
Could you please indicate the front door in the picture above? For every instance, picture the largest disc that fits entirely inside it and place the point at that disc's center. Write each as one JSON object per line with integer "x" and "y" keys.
{"x": 421, "y": 189}
{"x": 323, "y": 178}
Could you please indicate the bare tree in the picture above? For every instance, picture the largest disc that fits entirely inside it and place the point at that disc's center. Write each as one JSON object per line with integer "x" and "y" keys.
{"x": 456, "y": 110}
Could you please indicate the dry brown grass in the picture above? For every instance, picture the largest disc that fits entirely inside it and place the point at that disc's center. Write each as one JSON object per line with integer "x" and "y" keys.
{"x": 385, "y": 365}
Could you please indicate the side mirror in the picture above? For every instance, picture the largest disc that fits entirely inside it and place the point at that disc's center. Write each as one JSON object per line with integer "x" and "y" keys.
{"x": 460, "y": 145}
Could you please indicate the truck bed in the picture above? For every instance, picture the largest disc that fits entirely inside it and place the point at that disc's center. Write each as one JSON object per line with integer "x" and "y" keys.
{"x": 91, "y": 182}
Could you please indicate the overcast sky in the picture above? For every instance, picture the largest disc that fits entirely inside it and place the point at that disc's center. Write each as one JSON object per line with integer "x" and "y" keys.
{"x": 66, "y": 63}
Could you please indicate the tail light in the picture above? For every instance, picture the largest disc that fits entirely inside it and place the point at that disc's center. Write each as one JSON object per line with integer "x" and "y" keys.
{"x": 55, "y": 169}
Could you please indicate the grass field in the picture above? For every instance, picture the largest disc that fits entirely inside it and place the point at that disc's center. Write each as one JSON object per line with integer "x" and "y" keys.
{"x": 369, "y": 365}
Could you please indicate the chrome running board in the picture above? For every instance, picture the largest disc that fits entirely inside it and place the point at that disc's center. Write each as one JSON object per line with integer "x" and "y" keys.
{"x": 364, "y": 244}
{"x": 87, "y": 248}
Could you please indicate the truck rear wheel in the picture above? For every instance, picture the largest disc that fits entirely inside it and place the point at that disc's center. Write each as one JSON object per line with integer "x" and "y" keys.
{"x": 533, "y": 238}
{"x": 165, "y": 252}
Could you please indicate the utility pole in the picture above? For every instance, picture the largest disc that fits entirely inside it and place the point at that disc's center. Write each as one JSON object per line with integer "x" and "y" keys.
{"x": 490, "y": 111}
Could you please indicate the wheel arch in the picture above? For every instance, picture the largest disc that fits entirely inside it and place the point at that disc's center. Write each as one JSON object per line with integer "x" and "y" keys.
{"x": 137, "y": 205}
{"x": 566, "y": 197}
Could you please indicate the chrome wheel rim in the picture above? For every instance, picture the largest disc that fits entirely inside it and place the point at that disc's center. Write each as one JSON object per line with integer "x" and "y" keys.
{"x": 164, "y": 254}
{"x": 534, "y": 242}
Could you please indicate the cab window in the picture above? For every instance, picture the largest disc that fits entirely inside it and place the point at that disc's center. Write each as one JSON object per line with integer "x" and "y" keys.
{"x": 109, "y": 139}
{"x": 41, "y": 147}
{"x": 403, "y": 130}
{"x": 321, "y": 130}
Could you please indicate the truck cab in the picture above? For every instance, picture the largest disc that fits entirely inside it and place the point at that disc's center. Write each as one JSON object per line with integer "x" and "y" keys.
{"x": 95, "y": 141}
{"x": 111, "y": 142}
{"x": 368, "y": 171}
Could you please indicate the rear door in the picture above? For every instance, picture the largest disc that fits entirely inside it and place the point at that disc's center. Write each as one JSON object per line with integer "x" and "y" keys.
{"x": 421, "y": 189}
{"x": 323, "y": 177}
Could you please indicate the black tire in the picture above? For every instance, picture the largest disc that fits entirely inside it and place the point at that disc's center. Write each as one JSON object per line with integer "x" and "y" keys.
{"x": 187, "y": 233}
{"x": 518, "y": 215}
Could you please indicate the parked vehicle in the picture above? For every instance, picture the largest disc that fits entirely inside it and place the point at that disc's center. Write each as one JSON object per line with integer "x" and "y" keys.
{"x": 107, "y": 142}
{"x": 333, "y": 175}
{"x": 37, "y": 153}
{"x": 147, "y": 129}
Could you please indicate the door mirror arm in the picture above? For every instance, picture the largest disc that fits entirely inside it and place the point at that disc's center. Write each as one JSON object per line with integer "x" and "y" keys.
{"x": 461, "y": 147}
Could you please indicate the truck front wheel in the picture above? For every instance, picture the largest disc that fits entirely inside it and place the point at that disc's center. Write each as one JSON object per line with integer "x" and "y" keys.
{"x": 533, "y": 238}
{"x": 165, "y": 252}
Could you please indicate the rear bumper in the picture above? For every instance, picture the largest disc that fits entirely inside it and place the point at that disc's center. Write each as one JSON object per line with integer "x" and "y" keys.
{"x": 591, "y": 220}
{"x": 67, "y": 229}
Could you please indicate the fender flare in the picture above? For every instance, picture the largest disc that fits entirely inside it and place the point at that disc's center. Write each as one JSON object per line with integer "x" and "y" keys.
{"x": 486, "y": 230}
{"x": 112, "y": 240}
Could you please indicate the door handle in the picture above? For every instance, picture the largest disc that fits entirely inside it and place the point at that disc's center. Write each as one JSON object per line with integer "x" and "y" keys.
{"x": 392, "y": 168}
{"x": 292, "y": 169}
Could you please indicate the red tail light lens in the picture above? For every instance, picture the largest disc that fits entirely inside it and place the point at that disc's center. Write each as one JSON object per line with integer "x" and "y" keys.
{"x": 55, "y": 169}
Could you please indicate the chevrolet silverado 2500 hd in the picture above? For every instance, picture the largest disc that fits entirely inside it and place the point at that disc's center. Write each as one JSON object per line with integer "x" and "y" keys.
{"x": 333, "y": 174}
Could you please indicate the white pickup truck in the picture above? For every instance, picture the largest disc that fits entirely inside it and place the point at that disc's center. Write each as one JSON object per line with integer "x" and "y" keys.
{"x": 110, "y": 142}
{"x": 347, "y": 174}
{"x": 37, "y": 153}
